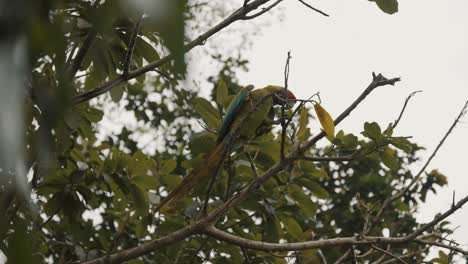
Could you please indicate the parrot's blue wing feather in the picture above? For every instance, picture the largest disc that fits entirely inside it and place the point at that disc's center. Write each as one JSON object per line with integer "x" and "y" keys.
{"x": 234, "y": 107}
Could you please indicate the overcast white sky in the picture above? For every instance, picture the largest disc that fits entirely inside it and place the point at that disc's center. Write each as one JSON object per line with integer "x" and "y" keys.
{"x": 425, "y": 43}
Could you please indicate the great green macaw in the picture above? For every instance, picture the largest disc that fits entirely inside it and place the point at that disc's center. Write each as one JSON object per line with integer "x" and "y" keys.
{"x": 249, "y": 115}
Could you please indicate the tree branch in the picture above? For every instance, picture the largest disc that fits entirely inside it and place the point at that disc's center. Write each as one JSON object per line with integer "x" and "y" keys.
{"x": 283, "y": 105}
{"x": 314, "y": 9}
{"x": 239, "y": 14}
{"x": 388, "y": 253}
{"x": 377, "y": 81}
{"x": 404, "y": 108}
{"x": 442, "y": 245}
{"x": 416, "y": 236}
{"x": 400, "y": 194}
{"x": 264, "y": 10}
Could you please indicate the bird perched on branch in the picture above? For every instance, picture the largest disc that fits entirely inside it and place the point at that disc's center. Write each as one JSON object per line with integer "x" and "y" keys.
{"x": 250, "y": 114}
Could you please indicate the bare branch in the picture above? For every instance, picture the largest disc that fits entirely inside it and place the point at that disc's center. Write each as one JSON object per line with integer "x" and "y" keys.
{"x": 252, "y": 164}
{"x": 283, "y": 106}
{"x": 388, "y": 253}
{"x": 400, "y": 194}
{"x": 313, "y": 8}
{"x": 264, "y": 10}
{"x": 442, "y": 245}
{"x": 131, "y": 46}
{"x": 377, "y": 81}
{"x": 404, "y": 108}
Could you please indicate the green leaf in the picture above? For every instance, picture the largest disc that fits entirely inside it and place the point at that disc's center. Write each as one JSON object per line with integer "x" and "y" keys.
{"x": 73, "y": 118}
{"x": 140, "y": 200}
{"x": 116, "y": 93}
{"x": 388, "y": 158}
{"x": 146, "y": 50}
{"x": 292, "y": 228}
{"x": 93, "y": 114}
{"x": 314, "y": 187}
{"x": 273, "y": 231}
{"x": 146, "y": 182}
{"x": 402, "y": 143}
{"x": 350, "y": 141}
{"x": 207, "y": 112}
{"x": 372, "y": 131}
{"x": 140, "y": 229}
{"x": 168, "y": 166}
{"x": 303, "y": 132}
{"x": 221, "y": 93}
{"x": 306, "y": 205}
{"x": 388, "y": 6}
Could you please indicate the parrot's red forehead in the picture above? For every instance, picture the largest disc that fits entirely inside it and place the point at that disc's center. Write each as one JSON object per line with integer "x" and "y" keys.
{"x": 290, "y": 95}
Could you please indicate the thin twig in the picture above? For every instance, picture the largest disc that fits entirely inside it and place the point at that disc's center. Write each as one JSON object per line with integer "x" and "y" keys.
{"x": 131, "y": 46}
{"x": 388, "y": 253}
{"x": 398, "y": 195}
{"x": 252, "y": 163}
{"x": 283, "y": 106}
{"x": 208, "y": 191}
{"x": 264, "y": 10}
{"x": 313, "y": 8}
{"x": 343, "y": 257}
{"x": 48, "y": 219}
{"x": 404, "y": 107}
{"x": 246, "y": 256}
{"x": 229, "y": 179}
{"x": 442, "y": 245}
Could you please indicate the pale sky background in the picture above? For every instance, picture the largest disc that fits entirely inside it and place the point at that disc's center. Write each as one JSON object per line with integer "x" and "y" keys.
{"x": 425, "y": 43}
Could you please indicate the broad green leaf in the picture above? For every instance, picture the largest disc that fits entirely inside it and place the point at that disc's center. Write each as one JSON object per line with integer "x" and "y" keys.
{"x": 146, "y": 182}
{"x": 306, "y": 205}
{"x": 272, "y": 229}
{"x": 314, "y": 187}
{"x": 302, "y": 133}
{"x": 207, "y": 112}
{"x": 221, "y": 93}
{"x": 140, "y": 229}
{"x": 293, "y": 228}
{"x": 388, "y": 157}
{"x": 388, "y": 6}
{"x": 116, "y": 93}
{"x": 372, "y": 131}
{"x": 326, "y": 121}
{"x": 73, "y": 118}
{"x": 168, "y": 166}
{"x": 402, "y": 143}
{"x": 146, "y": 50}
{"x": 93, "y": 115}
{"x": 140, "y": 200}
{"x": 438, "y": 177}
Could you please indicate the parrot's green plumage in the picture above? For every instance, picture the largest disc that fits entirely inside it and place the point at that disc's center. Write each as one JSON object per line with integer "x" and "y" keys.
{"x": 247, "y": 116}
